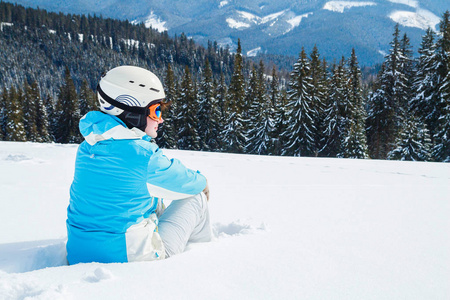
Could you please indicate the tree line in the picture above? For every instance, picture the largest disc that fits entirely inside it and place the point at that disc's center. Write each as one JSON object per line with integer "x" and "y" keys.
{"x": 322, "y": 110}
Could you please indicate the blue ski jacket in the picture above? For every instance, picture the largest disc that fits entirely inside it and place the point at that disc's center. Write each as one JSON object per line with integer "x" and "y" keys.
{"x": 120, "y": 176}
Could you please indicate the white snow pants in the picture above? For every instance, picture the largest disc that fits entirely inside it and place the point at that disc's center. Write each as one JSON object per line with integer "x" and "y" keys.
{"x": 184, "y": 221}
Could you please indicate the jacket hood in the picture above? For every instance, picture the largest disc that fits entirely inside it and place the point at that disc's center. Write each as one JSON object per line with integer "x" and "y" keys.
{"x": 97, "y": 126}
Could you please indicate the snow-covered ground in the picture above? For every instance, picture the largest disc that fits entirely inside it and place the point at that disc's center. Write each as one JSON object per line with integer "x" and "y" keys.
{"x": 340, "y": 6}
{"x": 253, "y": 52}
{"x": 155, "y": 22}
{"x": 421, "y": 18}
{"x": 286, "y": 228}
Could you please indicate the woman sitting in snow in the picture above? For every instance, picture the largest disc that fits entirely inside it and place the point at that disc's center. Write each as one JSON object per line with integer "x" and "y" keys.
{"x": 116, "y": 213}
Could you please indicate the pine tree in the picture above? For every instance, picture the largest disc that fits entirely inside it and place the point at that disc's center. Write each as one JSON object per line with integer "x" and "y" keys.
{"x": 277, "y": 101}
{"x": 334, "y": 129}
{"x": 221, "y": 95}
{"x": 15, "y": 130}
{"x": 167, "y": 135}
{"x": 253, "y": 104}
{"x": 208, "y": 112}
{"x": 355, "y": 144}
{"x": 413, "y": 144}
{"x": 301, "y": 128}
{"x": 407, "y": 69}
{"x": 234, "y": 137}
{"x": 67, "y": 112}
{"x": 385, "y": 118}
{"x": 52, "y": 114}
{"x": 262, "y": 128}
{"x": 441, "y": 151}
{"x": 42, "y": 122}
{"x": 318, "y": 95}
{"x": 425, "y": 81}
{"x": 87, "y": 101}
{"x": 341, "y": 92}
{"x": 29, "y": 107}
{"x": 187, "y": 115}
{"x": 3, "y": 110}
{"x": 236, "y": 90}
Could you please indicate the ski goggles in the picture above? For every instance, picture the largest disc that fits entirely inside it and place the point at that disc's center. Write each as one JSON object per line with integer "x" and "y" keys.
{"x": 155, "y": 112}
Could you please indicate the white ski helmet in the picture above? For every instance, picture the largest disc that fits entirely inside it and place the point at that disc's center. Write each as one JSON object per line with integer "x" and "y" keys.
{"x": 127, "y": 92}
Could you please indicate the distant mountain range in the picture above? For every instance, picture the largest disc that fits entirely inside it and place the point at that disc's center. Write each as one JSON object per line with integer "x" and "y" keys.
{"x": 277, "y": 27}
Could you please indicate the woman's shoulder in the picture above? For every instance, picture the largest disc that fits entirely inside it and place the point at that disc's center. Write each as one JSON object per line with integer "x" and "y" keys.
{"x": 147, "y": 145}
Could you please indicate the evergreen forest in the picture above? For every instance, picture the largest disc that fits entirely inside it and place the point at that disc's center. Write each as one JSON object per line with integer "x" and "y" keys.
{"x": 50, "y": 65}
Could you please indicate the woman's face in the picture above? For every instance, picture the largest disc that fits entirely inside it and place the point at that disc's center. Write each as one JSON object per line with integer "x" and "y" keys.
{"x": 152, "y": 127}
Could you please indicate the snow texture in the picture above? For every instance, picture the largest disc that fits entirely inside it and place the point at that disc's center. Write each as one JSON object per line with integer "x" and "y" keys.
{"x": 411, "y": 3}
{"x": 155, "y": 22}
{"x": 3, "y": 24}
{"x": 295, "y": 21}
{"x": 246, "y": 19}
{"x": 340, "y": 6}
{"x": 223, "y": 3}
{"x": 421, "y": 18}
{"x": 285, "y": 228}
{"x": 253, "y": 52}
{"x": 232, "y": 23}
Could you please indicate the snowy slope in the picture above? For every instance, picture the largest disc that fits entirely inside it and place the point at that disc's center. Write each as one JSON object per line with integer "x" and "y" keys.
{"x": 421, "y": 18}
{"x": 286, "y": 228}
{"x": 340, "y": 6}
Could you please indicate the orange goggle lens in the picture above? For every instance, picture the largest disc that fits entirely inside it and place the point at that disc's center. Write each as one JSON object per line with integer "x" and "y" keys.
{"x": 155, "y": 112}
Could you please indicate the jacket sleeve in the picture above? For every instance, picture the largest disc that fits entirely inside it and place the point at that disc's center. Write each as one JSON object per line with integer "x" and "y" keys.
{"x": 170, "y": 179}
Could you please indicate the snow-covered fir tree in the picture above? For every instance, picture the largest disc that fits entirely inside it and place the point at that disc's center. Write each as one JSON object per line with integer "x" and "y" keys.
{"x": 414, "y": 143}
{"x": 68, "y": 112}
{"x": 187, "y": 114}
{"x": 3, "y": 120}
{"x": 15, "y": 129}
{"x": 236, "y": 90}
{"x": 234, "y": 131}
{"x": 385, "y": 117}
{"x": 407, "y": 69}
{"x": 42, "y": 122}
{"x": 278, "y": 101}
{"x": 29, "y": 107}
{"x": 346, "y": 105}
{"x": 252, "y": 107}
{"x": 87, "y": 100}
{"x": 208, "y": 112}
{"x": 355, "y": 141}
{"x": 333, "y": 131}
{"x": 301, "y": 115}
{"x": 441, "y": 151}
{"x": 261, "y": 132}
{"x": 425, "y": 81}
{"x": 167, "y": 135}
{"x": 35, "y": 115}
{"x": 319, "y": 95}
{"x": 221, "y": 96}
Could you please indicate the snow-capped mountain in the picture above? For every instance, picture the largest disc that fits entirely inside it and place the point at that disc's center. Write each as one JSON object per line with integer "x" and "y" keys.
{"x": 279, "y": 27}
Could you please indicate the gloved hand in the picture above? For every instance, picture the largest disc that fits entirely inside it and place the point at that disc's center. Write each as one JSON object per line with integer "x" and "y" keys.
{"x": 206, "y": 191}
{"x": 160, "y": 208}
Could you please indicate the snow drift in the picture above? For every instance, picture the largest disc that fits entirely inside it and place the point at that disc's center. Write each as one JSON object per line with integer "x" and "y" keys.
{"x": 305, "y": 228}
